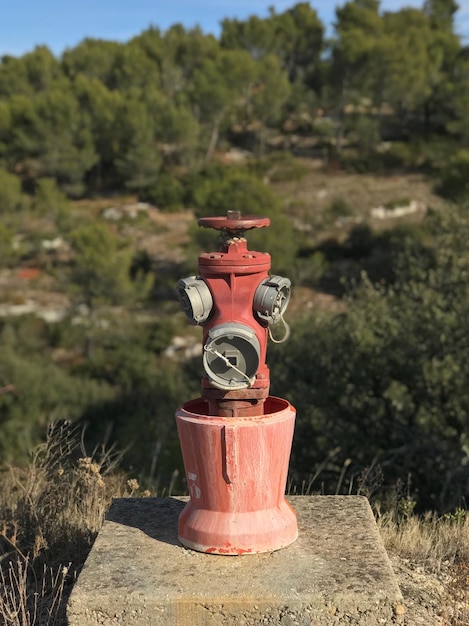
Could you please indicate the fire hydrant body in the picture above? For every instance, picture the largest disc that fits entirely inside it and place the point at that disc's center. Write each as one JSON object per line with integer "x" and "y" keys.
{"x": 235, "y": 439}
{"x": 234, "y": 276}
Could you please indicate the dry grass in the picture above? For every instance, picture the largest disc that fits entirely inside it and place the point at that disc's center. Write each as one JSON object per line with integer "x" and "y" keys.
{"x": 20, "y": 605}
{"x": 433, "y": 541}
{"x": 50, "y": 514}
{"x": 430, "y": 557}
{"x": 52, "y": 510}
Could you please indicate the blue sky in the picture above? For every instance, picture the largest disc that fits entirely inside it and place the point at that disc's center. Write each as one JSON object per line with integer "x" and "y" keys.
{"x": 58, "y": 24}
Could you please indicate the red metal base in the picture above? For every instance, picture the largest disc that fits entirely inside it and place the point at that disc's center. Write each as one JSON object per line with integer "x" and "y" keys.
{"x": 236, "y": 470}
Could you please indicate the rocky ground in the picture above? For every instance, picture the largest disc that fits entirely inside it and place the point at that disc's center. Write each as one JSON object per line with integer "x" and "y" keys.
{"x": 433, "y": 598}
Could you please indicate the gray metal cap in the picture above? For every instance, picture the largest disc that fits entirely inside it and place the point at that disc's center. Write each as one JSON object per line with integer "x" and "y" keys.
{"x": 271, "y": 298}
{"x": 195, "y": 299}
{"x": 231, "y": 356}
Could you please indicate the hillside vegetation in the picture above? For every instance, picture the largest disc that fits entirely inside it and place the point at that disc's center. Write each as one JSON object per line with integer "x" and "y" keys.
{"x": 109, "y": 152}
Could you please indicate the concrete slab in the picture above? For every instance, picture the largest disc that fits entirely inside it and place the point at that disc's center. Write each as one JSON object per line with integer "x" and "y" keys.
{"x": 337, "y": 572}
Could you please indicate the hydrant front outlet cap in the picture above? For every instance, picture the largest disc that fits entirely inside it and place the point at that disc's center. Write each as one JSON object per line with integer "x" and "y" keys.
{"x": 231, "y": 356}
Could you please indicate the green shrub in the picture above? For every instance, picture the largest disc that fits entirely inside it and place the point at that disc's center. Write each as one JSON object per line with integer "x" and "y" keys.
{"x": 40, "y": 390}
{"x": 280, "y": 166}
{"x": 364, "y": 133}
{"x": 325, "y": 128}
{"x": 232, "y": 190}
{"x": 51, "y": 201}
{"x": 454, "y": 178}
{"x": 405, "y": 154}
{"x": 11, "y": 198}
{"x": 385, "y": 382}
{"x": 339, "y": 207}
{"x": 310, "y": 270}
{"x": 360, "y": 241}
{"x": 353, "y": 160}
{"x": 7, "y": 252}
{"x": 432, "y": 155}
{"x": 166, "y": 193}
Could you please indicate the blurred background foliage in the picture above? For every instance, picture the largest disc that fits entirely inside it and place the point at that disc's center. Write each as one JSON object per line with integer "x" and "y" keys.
{"x": 143, "y": 114}
{"x": 191, "y": 123}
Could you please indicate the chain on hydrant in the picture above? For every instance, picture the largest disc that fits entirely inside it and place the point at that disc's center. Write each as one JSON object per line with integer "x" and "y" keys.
{"x": 236, "y": 302}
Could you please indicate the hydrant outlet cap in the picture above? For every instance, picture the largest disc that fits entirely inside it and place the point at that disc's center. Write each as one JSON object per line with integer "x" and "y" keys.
{"x": 231, "y": 356}
{"x": 271, "y": 298}
{"x": 195, "y": 299}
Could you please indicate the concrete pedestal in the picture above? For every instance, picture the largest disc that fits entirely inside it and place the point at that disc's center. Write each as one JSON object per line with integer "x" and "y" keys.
{"x": 336, "y": 572}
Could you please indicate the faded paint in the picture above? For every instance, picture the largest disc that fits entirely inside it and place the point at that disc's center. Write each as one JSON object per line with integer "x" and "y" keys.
{"x": 241, "y": 467}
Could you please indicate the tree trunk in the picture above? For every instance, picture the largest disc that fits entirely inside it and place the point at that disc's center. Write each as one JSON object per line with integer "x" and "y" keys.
{"x": 213, "y": 142}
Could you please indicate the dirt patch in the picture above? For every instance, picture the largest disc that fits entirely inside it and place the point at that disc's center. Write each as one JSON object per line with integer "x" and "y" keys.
{"x": 432, "y": 599}
{"x": 311, "y": 201}
{"x": 169, "y": 243}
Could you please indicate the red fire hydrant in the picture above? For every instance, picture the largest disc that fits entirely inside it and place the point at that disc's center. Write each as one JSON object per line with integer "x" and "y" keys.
{"x": 235, "y": 439}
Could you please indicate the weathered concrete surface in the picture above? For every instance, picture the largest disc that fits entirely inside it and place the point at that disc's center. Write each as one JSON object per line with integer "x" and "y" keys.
{"x": 337, "y": 572}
